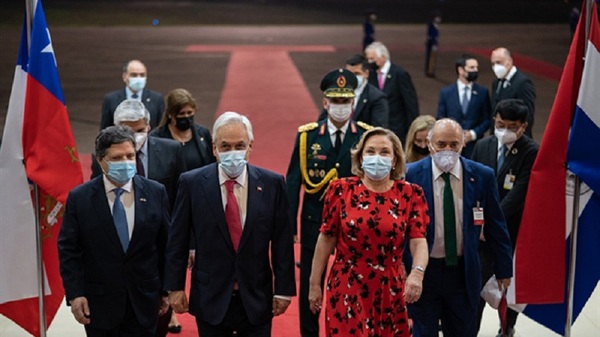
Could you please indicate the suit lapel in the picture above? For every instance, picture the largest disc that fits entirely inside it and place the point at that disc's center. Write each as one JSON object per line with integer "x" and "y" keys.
{"x": 362, "y": 101}
{"x": 103, "y": 212}
{"x": 427, "y": 180}
{"x": 469, "y": 182}
{"x": 254, "y": 200}
{"x": 211, "y": 187}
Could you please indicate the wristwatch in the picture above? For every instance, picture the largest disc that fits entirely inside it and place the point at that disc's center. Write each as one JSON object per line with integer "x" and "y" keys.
{"x": 419, "y": 268}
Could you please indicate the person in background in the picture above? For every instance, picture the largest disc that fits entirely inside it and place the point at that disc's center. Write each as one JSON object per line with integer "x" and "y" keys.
{"x": 416, "y": 141}
{"x": 396, "y": 83}
{"x": 511, "y": 83}
{"x": 112, "y": 243}
{"x": 135, "y": 77}
{"x": 511, "y": 154}
{"x": 462, "y": 195}
{"x": 369, "y": 28}
{"x": 432, "y": 43}
{"x": 178, "y": 124}
{"x": 365, "y": 220}
{"x": 237, "y": 216}
{"x": 466, "y": 102}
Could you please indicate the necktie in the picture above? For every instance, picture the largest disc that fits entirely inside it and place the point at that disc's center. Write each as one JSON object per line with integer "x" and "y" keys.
{"x": 380, "y": 79}
{"x": 465, "y": 101}
{"x": 139, "y": 164}
{"x": 500, "y": 86}
{"x": 449, "y": 223}
{"x": 120, "y": 219}
{"x": 501, "y": 156}
{"x": 338, "y": 141}
{"x": 232, "y": 215}
{"x": 135, "y": 95}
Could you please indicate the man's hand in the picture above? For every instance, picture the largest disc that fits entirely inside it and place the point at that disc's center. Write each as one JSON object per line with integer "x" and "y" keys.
{"x": 296, "y": 239}
{"x": 164, "y": 305}
{"x": 503, "y": 284}
{"x": 280, "y": 306}
{"x": 467, "y": 136}
{"x": 178, "y": 301}
{"x": 81, "y": 310}
{"x": 191, "y": 258}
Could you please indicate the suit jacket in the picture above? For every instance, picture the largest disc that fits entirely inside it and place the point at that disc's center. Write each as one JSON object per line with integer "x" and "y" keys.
{"x": 321, "y": 157}
{"x": 264, "y": 262}
{"x": 521, "y": 87}
{"x": 153, "y": 101}
{"x": 201, "y": 137}
{"x": 402, "y": 99}
{"x": 165, "y": 164}
{"x": 478, "y": 116}
{"x": 92, "y": 261}
{"x": 479, "y": 188}
{"x": 518, "y": 162}
{"x": 371, "y": 107}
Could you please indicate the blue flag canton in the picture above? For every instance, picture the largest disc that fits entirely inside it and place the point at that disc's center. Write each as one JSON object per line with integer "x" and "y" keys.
{"x": 42, "y": 62}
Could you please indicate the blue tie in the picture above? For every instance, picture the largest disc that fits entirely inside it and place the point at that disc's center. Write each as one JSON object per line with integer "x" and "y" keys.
{"x": 120, "y": 219}
{"x": 465, "y": 101}
{"x": 501, "y": 157}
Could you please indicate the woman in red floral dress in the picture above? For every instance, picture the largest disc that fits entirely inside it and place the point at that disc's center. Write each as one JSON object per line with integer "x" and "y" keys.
{"x": 367, "y": 220}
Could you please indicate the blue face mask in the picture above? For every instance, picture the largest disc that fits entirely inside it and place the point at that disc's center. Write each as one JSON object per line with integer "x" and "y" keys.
{"x": 233, "y": 162}
{"x": 377, "y": 167}
{"x": 121, "y": 171}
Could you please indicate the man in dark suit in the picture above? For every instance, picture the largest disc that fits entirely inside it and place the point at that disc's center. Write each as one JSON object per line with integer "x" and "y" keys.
{"x": 513, "y": 170}
{"x": 395, "y": 82}
{"x": 512, "y": 83}
{"x": 370, "y": 104}
{"x": 452, "y": 281}
{"x": 157, "y": 158}
{"x": 466, "y": 102}
{"x": 243, "y": 274}
{"x": 134, "y": 77}
{"x": 321, "y": 154}
{"x": 112, "y": 244}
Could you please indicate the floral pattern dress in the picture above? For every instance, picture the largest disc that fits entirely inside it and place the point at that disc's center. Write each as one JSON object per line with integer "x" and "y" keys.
{"x": 365, "y": 289}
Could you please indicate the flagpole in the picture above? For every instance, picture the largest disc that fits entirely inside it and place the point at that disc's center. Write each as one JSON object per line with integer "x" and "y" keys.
{"x": 40, "y": 264}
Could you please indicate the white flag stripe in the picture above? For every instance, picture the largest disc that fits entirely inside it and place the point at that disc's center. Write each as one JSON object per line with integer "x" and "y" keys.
{"x": 588, "y": 99}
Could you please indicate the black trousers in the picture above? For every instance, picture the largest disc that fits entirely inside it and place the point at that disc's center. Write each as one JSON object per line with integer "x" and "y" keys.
{"x": 129, "y": 327}
{"x": 487, "y": 270}
{"x": 235, "y": 321}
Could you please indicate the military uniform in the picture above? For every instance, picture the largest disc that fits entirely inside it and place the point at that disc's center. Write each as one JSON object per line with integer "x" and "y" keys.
{"x": 314, "y": 163}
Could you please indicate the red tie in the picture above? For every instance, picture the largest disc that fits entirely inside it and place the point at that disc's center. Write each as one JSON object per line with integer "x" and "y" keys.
{"x": 232, "y": 215}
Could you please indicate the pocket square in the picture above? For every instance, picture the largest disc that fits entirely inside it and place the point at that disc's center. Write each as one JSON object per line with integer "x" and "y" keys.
{"x": 259, "y": 189}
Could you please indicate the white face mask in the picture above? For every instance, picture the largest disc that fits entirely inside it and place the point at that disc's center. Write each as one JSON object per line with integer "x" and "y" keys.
{"x": 360, "y": 80}
{"x": 340, "y": 112}
{"x": 445, "y": 160}
{"x": 505, "y": 136}
{"x": 136, "y": 84}
{"x": 499, "y": 70}
{"x": 140, "y": 139}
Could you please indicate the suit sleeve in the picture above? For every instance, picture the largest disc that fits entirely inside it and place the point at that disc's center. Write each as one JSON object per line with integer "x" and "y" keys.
{"x": 527, "y": 94}
{"x": 179, "y": 238}
{"x": 107, "y": 114}
{"x": 163, "y": 233}
{"x": 380, "y": 114}
{"x": 293, "y": 184}
{"x": 442, "y": 110}
{"x": 70, "y": 252}
{"x": 282, "y": 245}
{"x": 409, "y": 96}
{"x": 485, "y": 117}
{"x": 495, "y": 230}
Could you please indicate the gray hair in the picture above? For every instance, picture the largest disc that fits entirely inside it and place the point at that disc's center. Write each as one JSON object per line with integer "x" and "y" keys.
{"x": 115, "y": 134}
{"x": 131, "y": 110}
{"x": 231, "y": 117}
{"x": 380, "y": 49}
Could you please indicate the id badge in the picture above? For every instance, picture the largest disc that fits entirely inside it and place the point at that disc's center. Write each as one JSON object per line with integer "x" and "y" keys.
{"x": 509, "y": 181}
{"x": 478, "y": 219}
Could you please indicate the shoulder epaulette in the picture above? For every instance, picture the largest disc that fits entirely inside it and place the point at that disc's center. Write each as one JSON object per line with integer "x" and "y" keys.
{"x": 364, "y": 125}
{"x": 308, "y": 127}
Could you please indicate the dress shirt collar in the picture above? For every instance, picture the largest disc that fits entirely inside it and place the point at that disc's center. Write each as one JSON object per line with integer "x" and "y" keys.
{"x": 461, "y": 86}
{"x": 511, "y": 73}
{"x": 332, "y": 128}
{"x": 129, "y": 93}
{"x": 242, "y": 179}
{"x": 456, "y": 170}
{"x": 109, "y": 186}
{"x": 386, "y": 67}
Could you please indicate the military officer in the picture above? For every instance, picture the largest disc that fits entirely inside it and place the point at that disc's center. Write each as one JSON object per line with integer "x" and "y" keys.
{"x": 321, "y": 154}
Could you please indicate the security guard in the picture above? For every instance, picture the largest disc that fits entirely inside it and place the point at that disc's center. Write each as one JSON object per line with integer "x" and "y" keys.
{"x": 321, "y": 154}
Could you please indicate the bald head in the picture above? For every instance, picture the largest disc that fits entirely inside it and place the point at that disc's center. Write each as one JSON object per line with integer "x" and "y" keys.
{"x": 446, "y": 135}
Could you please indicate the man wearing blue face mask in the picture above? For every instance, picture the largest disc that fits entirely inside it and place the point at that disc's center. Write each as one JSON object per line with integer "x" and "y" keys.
{"x": 321, "y": 154}
{"x": 135, "y": 77}
{"x": 511, "y": 153}
{"x": 243, "y": 273}
{"x": 463, "y": 204}
{"x": 112, "y": 244}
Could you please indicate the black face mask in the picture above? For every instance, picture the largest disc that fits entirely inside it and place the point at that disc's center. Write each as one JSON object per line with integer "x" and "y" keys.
{"x": 374, "y": 66}
{"x": 424, "y": 151}
{"x": 471, "y": 76}
{"x": 184, "y": 123}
